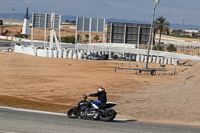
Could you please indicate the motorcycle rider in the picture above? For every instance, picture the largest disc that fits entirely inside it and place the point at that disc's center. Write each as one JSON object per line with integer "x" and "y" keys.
{"x": 102, "y": 99}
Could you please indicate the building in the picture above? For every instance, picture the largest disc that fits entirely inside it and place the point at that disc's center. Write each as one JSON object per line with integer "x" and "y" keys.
{"x": 192, "y": 30}
{"x": 130, "y": 33}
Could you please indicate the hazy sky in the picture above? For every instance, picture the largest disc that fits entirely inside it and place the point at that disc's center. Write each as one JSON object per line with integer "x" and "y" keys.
{"x": 174, "y": 10}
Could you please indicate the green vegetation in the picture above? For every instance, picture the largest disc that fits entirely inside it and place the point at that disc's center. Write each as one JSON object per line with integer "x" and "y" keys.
{"x": 161, "y": 26}
{"x": 19, "y": 35}
{"x": 79, "y": 38}
{"x": 171, "y": 48}
{"x": 96, "y": 38}
{"x": 181, "y": 36}
{"x": 160, "y": 48}
{"x": 68, "y": 39}
{"x": 87, "y": 37}
{"x": 4, "y": 26}
{"x": 72, "y": 22}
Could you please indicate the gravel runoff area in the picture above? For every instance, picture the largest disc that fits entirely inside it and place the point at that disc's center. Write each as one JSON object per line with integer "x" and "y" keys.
{"x": 58, "y": 84}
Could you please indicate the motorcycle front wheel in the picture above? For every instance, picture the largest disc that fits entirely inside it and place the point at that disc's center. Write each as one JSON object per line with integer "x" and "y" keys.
{"x": 73, "y": 113}
{"x": 108, "y": 115}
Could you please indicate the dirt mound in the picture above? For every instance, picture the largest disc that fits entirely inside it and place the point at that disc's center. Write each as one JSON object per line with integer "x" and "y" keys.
{"x": 190, "y": 74}
{"x": 177, "y": 100}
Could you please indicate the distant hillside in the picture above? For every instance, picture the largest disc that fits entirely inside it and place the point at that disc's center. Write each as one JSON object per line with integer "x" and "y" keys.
{"x": 15, "y": 16}
{"x": 125, "y": 21}
{"x": 20, "y": 16}
{"x": 179, "y": 26}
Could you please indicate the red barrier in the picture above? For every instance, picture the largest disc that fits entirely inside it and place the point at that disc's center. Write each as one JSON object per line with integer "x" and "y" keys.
{"x": 1, "y": 23}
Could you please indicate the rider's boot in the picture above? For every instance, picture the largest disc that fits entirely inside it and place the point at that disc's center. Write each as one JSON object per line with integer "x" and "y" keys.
{"x": 96, "y": 115}
{"x": 96, "y": 111}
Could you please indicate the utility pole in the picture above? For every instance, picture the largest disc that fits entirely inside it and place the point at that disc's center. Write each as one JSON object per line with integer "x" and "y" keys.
{"x": 150, "y": 36}
{"x": 183, "y": 24}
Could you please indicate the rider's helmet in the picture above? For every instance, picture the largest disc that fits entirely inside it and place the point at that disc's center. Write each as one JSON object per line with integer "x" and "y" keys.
{"x": 100, "y": 89}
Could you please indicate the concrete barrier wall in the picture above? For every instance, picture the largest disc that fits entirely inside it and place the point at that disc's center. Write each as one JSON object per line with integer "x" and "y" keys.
{"x": 29, "y": 51}
{"x": 18, "y": 49}
{"x": 55, "y": 53}
{"x": 25, "y": 50}
{"x": 157, "y": 60}
{"x": 65, "y": 54}
{"x": 60, "y": 53}
{"x": 10, "y": 38}
{"x": 40, "y": 52}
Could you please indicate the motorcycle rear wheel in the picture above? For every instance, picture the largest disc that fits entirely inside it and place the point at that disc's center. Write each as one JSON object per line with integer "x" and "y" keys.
{"x": 73, "y": 113}
{"x": 108, "y": 115}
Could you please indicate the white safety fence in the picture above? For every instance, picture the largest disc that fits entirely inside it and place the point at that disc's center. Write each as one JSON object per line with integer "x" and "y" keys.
{"x": 120, "y": 48}
{"x": 93, "y": 51}
{"x": 118, "y": 45}
{"x": 81, "y": 54}
{"x": 157, "y": 59}
{"x": 64, "y": 53}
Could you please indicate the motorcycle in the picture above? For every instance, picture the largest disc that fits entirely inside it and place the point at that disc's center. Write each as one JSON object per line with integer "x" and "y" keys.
{"x": 85, "y": 110}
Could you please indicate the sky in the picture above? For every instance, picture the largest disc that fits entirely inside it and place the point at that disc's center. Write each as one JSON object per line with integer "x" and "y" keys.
{"x": 175, "y": 11}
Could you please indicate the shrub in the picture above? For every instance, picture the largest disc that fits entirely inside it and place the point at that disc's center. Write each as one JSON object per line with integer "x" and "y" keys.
{"x": 171, "y": 48}
{"x": 156, "y": 47}
{"x": 68, "y": 39}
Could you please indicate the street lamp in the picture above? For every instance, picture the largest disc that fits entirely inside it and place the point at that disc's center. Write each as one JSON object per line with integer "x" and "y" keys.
{"x": 12, "y": 13}
{"x": 150, "y": 38}
{"x": 157, "y": 1}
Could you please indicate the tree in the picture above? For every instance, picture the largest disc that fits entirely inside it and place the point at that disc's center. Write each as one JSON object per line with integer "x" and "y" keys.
{"x": 67, "y": 20}
{"x": 86, "y": 36}
{"x": 161, "y": 25}
{"x": 96, "y": 38}
{"x": 73, "y": 21}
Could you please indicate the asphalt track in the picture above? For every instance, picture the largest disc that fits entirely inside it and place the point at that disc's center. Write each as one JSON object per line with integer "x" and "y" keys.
{"x": 28, "y": 121}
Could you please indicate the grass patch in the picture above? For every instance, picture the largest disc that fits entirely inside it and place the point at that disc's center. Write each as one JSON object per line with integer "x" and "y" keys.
{"x": 4, "y": 26}
{"x": 181, "y": 36}
{"x": 35, "y": 105}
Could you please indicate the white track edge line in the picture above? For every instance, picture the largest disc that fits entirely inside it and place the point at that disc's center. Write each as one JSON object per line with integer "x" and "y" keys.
{"x": 43, "y": 112}
{"x": 32, "y": 111}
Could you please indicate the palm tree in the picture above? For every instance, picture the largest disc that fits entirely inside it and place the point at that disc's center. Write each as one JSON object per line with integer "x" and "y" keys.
{"x": 86, "y": 36}
{"x": 96, "y": 38}
{"x": 161, "y": 25}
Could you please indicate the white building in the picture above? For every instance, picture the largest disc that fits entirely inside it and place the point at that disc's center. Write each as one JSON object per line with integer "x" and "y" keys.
{"x": 192, "y": 30}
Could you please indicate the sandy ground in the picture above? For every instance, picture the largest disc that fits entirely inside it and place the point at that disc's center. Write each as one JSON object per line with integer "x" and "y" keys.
{"x": 55, "y": 84}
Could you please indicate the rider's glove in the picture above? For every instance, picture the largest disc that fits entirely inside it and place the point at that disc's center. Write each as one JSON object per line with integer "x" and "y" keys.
{"x": 87, "y": 95}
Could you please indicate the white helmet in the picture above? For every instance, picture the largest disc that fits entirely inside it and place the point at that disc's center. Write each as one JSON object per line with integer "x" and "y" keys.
{"x": 101, "y": 89}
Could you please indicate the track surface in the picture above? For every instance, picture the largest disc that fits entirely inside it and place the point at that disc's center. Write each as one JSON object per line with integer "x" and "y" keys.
{"x": 18, "y": 121}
